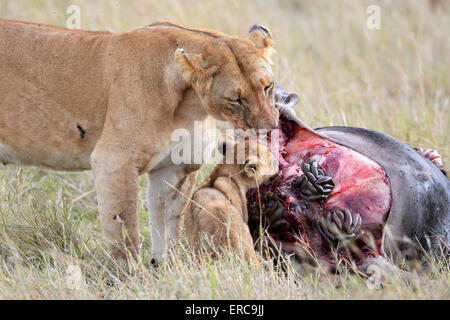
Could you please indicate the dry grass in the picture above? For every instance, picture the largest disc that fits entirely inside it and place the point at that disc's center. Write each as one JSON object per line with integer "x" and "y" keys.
{"x": 395, "y": 80}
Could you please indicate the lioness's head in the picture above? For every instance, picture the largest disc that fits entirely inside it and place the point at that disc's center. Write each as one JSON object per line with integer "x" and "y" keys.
{"x": 233, "y": 78}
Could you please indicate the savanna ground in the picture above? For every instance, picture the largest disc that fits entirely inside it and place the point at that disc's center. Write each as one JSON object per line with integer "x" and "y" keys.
{"x": 395, "y": 80}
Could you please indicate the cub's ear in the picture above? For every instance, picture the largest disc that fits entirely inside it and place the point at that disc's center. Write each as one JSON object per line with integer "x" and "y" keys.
{"x": 262, "y": 39}
{"x": 250, "y": 168}
{"x": 195, "y": 69}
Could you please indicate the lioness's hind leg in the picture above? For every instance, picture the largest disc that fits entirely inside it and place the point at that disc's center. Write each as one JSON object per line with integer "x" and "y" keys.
{"x": 169, "y": 191}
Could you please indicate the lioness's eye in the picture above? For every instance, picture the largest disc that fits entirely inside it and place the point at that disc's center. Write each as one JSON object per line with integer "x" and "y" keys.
{"x": 236, "y": 101}
{"x": 268, "y": 88}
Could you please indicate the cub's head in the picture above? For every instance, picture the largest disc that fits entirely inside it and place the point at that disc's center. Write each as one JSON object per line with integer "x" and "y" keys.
{"x": 233, "y": 77}
{"x": 249, "y": 159}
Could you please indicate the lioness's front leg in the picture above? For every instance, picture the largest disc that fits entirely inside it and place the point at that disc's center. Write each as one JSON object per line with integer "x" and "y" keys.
{"x": 169, "y": 192}
{"x": 116, "y": 185}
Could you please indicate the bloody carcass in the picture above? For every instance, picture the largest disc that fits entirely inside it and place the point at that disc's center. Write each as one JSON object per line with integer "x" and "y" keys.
{"x": 350, "y": 194}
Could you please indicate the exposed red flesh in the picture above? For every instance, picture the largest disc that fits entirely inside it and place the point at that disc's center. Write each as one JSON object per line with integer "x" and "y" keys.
{"x": 361, "y": 186}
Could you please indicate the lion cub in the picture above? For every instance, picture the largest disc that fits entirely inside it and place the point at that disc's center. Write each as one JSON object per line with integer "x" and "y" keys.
{"x": 217, "y": 217}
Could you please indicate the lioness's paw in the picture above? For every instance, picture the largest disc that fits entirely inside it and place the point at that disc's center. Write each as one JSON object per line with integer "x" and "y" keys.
{"x": 158, "y": 260}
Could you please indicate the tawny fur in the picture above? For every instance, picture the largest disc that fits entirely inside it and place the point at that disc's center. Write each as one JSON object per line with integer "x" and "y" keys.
{"x": 80, "y": 100}
{"x": 217, "y": 217}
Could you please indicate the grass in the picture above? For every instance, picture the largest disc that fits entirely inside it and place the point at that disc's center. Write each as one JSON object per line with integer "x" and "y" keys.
{"x": 395, "y": 80}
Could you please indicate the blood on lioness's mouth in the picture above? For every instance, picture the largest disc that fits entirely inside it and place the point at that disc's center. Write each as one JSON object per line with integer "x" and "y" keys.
{"x": 344, "y": 189}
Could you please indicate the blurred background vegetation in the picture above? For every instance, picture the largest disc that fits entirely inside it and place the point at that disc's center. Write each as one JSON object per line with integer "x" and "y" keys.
{"x": 395, "y": 80}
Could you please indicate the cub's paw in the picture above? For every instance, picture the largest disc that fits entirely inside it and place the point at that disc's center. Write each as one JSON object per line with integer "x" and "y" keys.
{"x": 314, "y": 185}
{"x": 340, "y": 225}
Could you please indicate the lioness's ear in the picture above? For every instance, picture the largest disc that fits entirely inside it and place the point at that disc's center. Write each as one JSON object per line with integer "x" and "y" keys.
{"x": 194, "y": 68}
{"x": 262, "y": 39}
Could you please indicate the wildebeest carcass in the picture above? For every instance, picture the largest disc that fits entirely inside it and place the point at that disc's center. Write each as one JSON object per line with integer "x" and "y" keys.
{"x": 350, "y": 194}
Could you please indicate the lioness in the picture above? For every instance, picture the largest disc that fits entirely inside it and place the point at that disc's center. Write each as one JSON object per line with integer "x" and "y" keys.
{"x": 80, "y": 100}
{"x": 218, "y": 217}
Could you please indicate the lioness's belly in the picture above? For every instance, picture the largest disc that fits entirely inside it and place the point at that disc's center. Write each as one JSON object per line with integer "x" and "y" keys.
{"x": 67, "y": 146}
{"x": 49, "y": 136}
{"x": 48, "y": 158}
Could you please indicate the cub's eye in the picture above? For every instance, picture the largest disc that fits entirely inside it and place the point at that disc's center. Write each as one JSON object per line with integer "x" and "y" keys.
{"x": 250, "y": 166}
{"x": 268, "y": 88}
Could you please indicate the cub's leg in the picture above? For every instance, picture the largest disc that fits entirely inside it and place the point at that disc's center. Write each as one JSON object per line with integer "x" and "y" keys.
{"x": 116, "y": 186}
{"x": 169, "y": 192}
{"x": 220, "y": 223}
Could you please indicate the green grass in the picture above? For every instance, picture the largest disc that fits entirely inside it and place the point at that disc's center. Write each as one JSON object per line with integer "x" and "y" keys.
{"x": 395, "y": 80}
